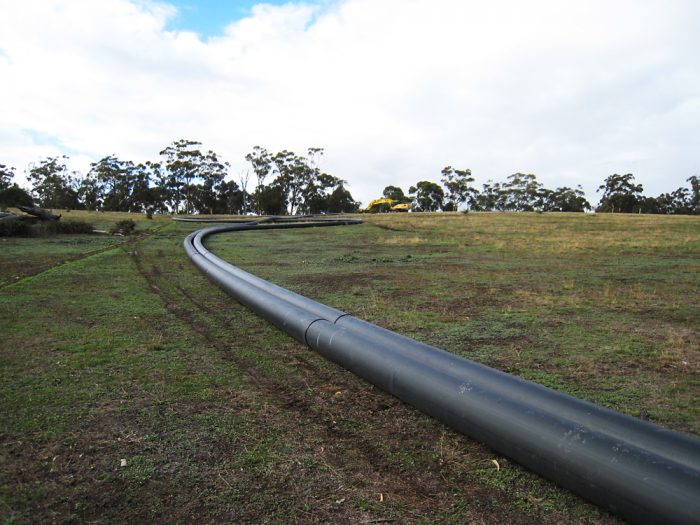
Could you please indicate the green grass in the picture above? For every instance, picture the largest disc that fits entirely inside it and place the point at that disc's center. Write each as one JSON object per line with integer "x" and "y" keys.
{"x": 119, "y": 349}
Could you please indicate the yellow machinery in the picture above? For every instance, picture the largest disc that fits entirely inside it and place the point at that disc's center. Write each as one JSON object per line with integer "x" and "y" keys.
{"x": 385, "y": 204}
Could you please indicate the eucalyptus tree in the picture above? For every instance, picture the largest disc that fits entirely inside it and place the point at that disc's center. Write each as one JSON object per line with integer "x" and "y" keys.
{"x": 340, "y": 201}
{"x": 14, "y": 196}
{"x": 523, "y": 192}
{"x": 694, "y": 197}
{"x": 458, "y": 184}
{"x": 145, "y": 194}
{"x": 53, "y": 185}
{"x": 271, "y": 199}
{"x": 246, "y": 197}
{"x": 10, "y": 193}
{"x": 6, "y": 176}
{"x": 90, "y": 193}
{"x": 301, "y": 181}
{"x": 314, "y": 184}
{"x": 288, "y": 178}
{"x": 230, "y": 198}
{"x": 429, "y": 196}
{"x": 395, "y": 193}
{"x": 684, "y": 201}
{"x": 620, "y": 194}
{"x": 491, "y": 198}
{"x": 261, "y": 160}
{"x": 108, "y": 184}
{"x": 157, "y": 198}
{"x": 316, "y": 193}
{"x": 565, "y": 199}
{"x": 298, "y": 186}
{"x": 190, "y": 172}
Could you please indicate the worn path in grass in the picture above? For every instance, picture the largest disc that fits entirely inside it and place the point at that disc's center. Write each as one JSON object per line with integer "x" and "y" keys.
{"x": 26, "y": 257}
{"x": 130, "y": 357}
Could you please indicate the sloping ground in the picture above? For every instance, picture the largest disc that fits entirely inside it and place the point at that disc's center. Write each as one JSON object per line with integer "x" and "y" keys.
{"x": 133, "y": 390}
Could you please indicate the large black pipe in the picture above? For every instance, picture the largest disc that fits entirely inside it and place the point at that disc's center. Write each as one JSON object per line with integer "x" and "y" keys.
{"x": 638, "y": 470}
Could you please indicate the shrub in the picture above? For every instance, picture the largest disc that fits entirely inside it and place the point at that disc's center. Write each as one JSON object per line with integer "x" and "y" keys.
{"x": 125, "y": 227}
{"x": 15, "y": 229}
{"x": 62, "y": 227}
{"x": 31, "y": 228}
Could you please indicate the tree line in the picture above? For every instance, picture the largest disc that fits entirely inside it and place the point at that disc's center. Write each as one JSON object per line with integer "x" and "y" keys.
{"x": 190, "y": 180}
{"x": 186, "y": 180}
{"x": 523, "y": 192}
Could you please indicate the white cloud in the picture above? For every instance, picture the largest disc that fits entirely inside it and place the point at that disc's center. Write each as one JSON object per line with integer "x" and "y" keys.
{"x": 394, "y": 90}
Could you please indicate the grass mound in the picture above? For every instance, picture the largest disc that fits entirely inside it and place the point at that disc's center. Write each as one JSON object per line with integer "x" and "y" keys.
{"x": 133, "y": 390}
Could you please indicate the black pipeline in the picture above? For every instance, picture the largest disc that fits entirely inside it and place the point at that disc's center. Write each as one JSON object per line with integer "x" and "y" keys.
{"x": 643, "y": 472}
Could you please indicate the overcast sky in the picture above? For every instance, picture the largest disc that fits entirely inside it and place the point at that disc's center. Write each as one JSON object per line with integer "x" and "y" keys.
{"x": 394, "y": 90}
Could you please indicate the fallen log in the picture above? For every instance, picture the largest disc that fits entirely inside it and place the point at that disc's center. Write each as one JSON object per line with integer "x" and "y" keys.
{"x": 9, "y": 216}
{"x": 40, "y": 213}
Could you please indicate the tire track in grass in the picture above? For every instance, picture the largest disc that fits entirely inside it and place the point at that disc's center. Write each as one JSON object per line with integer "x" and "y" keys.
{"x": 305, "y": 363}
{"x": 63, "y": 262}
{"x": 351, "y": 451}
{"x": 143, "y": 234}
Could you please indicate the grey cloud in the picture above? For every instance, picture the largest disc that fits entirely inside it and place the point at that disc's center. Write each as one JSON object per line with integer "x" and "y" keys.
{"x": 571, "y": 91}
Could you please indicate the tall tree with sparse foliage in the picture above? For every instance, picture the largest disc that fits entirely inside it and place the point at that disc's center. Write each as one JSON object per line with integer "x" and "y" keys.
{"x": 298, "y": 186}
{"x": 396, "y": 194}
{"x": 53, "y": 185}
{"x": 565, "y": 199}
{"x": 694, "y": 195}
{"x": 110, "y": 183}
{"x": 523, "y": 192}
{"x": 341, "y": 201}
{"x": 90, "y": 192}
{"x": 230, "y": 198}
{"x": 293, "y": 174}
{"x": 191, "y": 172}
{"x": 6, "y": 176}
{"x": 429, "y": 196}
{"x": 10, "y": 193}
{"x": 620, "y": 194}
{"x": 492, "y": 197}
{"x": 458, "y": 184}
{"x": 261, "y": 160}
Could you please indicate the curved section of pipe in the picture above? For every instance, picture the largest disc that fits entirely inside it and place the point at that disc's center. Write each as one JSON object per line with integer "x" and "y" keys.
{"x": 643, "y": 472}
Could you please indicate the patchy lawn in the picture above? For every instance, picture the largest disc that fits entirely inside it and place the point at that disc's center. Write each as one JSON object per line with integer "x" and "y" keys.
{"x": 134, "y": 390}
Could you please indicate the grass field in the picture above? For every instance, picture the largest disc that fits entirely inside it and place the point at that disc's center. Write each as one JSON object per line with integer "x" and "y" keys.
{"x": 133, "y": 390}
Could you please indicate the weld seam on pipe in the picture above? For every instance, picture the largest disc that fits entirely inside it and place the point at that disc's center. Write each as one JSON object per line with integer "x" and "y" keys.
{"x": 617, "y": 424}
{"x": 639, "y": 470}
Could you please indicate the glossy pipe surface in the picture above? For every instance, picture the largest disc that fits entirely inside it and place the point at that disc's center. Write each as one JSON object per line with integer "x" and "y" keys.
{"x": 645, "y": 473}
